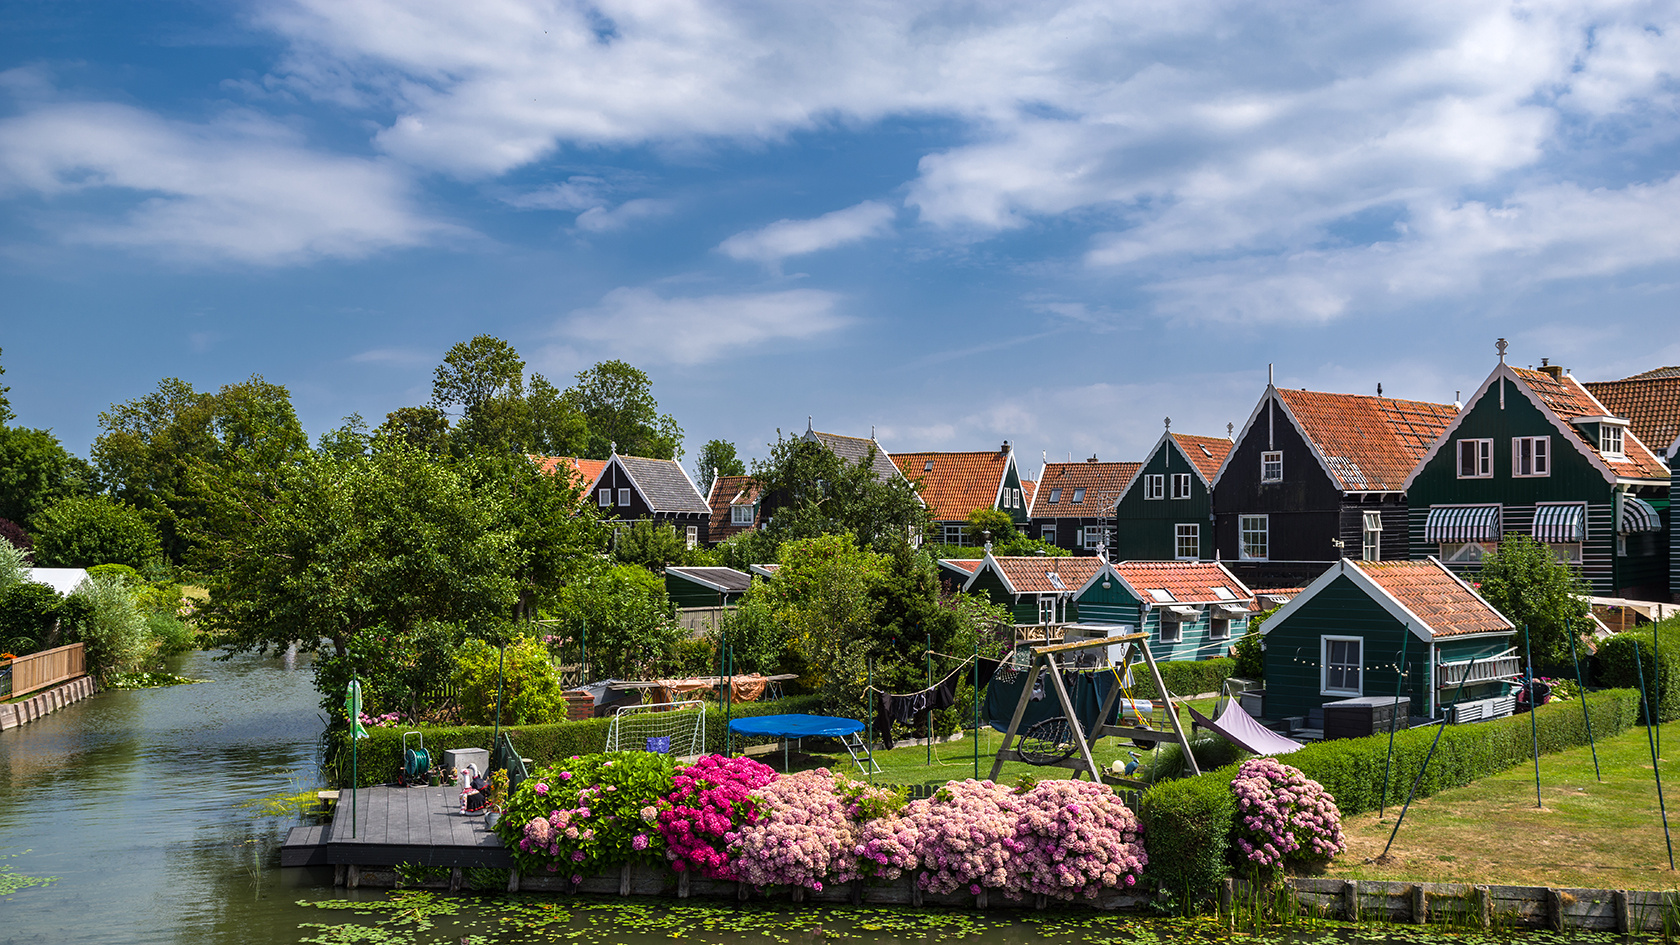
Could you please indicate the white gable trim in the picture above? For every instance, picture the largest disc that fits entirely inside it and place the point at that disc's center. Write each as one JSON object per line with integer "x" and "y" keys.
{"x": 1252, "y": 417}
{"x": 1147, "y": 459}
{"x": 991, "y": 562}
{"x": 1008, "y": 464}
{"x": 1350, "y": 570}
{"x": 633, "y": 483}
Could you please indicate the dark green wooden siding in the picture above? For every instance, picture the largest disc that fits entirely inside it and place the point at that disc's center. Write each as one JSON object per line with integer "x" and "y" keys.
{"x": 1145, "y": 529}
{"x": 1012, "y": 480}
{"x": 1117, "y": 606}
{"x": 1292, "y": 651}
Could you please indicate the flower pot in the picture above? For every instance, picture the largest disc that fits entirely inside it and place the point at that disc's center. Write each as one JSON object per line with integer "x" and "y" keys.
{"x": 490, "y": 818}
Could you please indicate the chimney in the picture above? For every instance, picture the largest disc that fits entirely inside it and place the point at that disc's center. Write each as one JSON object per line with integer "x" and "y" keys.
{"x": 1004, "y": 448}
{"x": 1092, "y": 459}
{"x": 1555, "y": 370}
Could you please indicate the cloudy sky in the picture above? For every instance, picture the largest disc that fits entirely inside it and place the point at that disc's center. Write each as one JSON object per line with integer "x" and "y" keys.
{"x": 955, "y": 222}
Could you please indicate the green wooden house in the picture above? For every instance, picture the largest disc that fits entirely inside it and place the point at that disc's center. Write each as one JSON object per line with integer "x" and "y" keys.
{"x": 1038, "y": 591}
{"x": 702, "y": 595}
{"x": 1073, "y": 504}
{"x": 954, "y": 485}
{"x": 1191, "y": 610}
{"x": 1165, "y": 513}
{"x": 1533, "y": 452}
{"x": 1650, "y": 402}
{"x": 1350, "y": 632}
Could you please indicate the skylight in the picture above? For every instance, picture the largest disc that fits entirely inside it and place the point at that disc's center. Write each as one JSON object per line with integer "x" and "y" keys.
{"x": 1055, "y": 495}
{"x": 1055, "y": 580}
{"x": 1223, "y": 593}
{"x": 927, "y": 466}
{"x": 1079, "y": 494}
{"x": 1161, "y": 596}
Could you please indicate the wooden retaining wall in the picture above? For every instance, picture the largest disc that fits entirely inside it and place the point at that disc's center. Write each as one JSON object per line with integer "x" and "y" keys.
{"x": 18, "y": 713}
{"x": 48, "y": 668}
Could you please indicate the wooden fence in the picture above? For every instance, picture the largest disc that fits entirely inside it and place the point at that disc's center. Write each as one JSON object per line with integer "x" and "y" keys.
{"x": 48, "y": 668}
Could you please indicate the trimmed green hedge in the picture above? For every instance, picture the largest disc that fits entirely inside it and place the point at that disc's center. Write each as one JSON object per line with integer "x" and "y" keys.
{"x": 1184, "y": 677}
{"x": 378, "y": 756}
{"x": 1616, "y": 667}
{"x": 1351, "y": 769}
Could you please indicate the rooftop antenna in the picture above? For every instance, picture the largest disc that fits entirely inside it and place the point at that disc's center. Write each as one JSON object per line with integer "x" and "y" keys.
{"x": 1270, "y": 382}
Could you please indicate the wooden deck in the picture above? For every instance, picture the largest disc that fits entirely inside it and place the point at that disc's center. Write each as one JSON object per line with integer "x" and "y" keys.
{"x": 398, "y": 825}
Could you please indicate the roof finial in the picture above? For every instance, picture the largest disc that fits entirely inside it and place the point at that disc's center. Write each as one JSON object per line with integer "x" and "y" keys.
{"x": 1169, "y": 424}
{"x": 613, "y": 446}
{"x": 1500, "y": 346}
{"x": 1229, "y": 429}
{"x": 1270, "y": 381}
{"x": 807, "y": 423}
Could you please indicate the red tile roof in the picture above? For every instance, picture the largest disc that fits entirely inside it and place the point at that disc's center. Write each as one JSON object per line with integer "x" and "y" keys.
{"x": 1566, "y": 397}
{"x": 1206, "y": 452}
{"x": 1371, "y": 444}
{"x": 1189, "y": 582}
{"x": 955, "y": 484}
{"x": 586, "y": 471}
{"x": 1102, "y": 482}
{"x": 1035, "y": 574}
{"x": 1029, "y": 492}
{"x": 1439, "y": 599}
{"x": 969, "y": 565}
{"x": 1651, "y": 401}
{"x": 727, "y": 492}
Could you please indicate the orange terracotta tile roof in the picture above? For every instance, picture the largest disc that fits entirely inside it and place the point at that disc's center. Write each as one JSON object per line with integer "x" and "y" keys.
{"x": 1650, "y": 401}
{"x": 586, "y": 471}
{"x": 1441, "y": 601}
{"x": 1029, "y": 492}
{"x": 1189, "y": 582}
{"x": 1206, "y": 452}
{"x": 1035, "y": 574}
{"x": 1568, "y": 399}
{"x": 969, "y": 565}
{"x": 955, "y": 484}
{"x": 1371, "y": 444}
{"x": 727, "y": 492}
{"x": 1102, "y": 482}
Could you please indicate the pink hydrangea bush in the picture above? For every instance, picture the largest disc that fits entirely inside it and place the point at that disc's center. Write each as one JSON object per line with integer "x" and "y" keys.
{"x": 1284, "y": 817}
{"x": 805, "y": 829}
{"x": 1076, "y": 838}
{"x": 965, "y": 836}
{"x": 885, "y": 848}
{"x": 709, "y": 799}
{"x": 588, "y": 814}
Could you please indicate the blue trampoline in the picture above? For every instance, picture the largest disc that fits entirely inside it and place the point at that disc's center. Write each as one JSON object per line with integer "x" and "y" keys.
{"x": 794, "y": 727}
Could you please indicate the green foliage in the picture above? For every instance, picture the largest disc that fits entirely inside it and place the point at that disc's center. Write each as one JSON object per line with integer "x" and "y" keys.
{"x": 626, "y": 615}
{"x": 1184, "y": 677}
{"x": 112, "y": 626}
{"x": 620, "y": 786}
{"x": 616, "y": 399}
{"x": 36, "y": 472}
{"x": 717, "y": 458}
{"x": 1540, "y": 594}
{"x": 14, "y": 565}
{"x": 29, "y": 615}
{"x": 421, "y": 429}
{"x": 823, "y": 595}
{"x": 406, "y": 672}
{"x": 121, "y": 572}
{"x": 1018, "y": 545}
{"x": 169, "y": 636}
{"x": 83, "y": 531}
{"x": 1617, "y": 666}
{"x": 812, "y": 492}
{"x": 474, "y": 372}
{"x": 657, "y": 546}
{"x": 745, "y": 549}
{"x": 530, "y": 686}
{"x": 350, "y": 440}
{"x": 995, "y": 522}
{"x": 1209, "y": 750}
{"x": 1251, "y": 660}
{"x": 556, "y": 538}
{"x": 484, "y": 380}
{"x": 754, "y": 634}
{"x": 1187, "y": 825}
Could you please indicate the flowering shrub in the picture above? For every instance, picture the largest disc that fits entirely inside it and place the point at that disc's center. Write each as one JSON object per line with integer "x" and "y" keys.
{"x": 965, "y": 836}
{"x": 804, "y": 829}
{"x": 1283, "y": 816}
{"x": 709, "y": 799}
{"x": 1076, "y": 838}
{"x": 885, "y": 848}
{"x": 388, "y": 720}
{"x": 588, "y": 814}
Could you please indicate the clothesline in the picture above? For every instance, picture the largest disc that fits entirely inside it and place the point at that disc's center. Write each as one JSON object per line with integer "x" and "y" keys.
{"x": 869, "y": 689}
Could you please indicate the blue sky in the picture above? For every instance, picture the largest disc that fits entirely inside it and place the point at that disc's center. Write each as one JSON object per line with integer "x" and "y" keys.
{"x": 954, "y": 222}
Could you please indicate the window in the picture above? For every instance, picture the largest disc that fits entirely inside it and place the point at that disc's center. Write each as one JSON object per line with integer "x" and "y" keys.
{"x": 1046, "y": 608}
{"x": 1531, "y": 456}
{"x": 1171, "y": 630}
{"x": 1078, "y": 494}
{"x": 1161, "y": 595}
{"x": 740, "y": 515}
{"x": 1475, "y": 459}
{"x": 1373, "y": 536}
{"x": 1343, "y": 660}
{"x": 1048, "y": 534}
{"x": 1187, "y": 541}
{"x": 1095, "y": 536}
{"x": 605, "y": 497}
{"x": 1610, "y": 439}
{"x": 1621, "y": 546}
{"x": 1155, "y": 486}
{"x": 1570, "y": 552}
{"x": 1222, "y": 592}
{"x": 1019, "y": 502}
{"x": 1470, "y": 552}
{"x": 1271, "y": 466}
{"x": 954, "y": 534}
{"x": 693, "y": 536}
{"x": 927, "y": 466}
{"x": 1055, "y": 495}
{"x": 1219, "y": 629}
{"x": 1181, "y": 486}
{"x": 624, "y": 497}
{"x": 1252, "y": 535}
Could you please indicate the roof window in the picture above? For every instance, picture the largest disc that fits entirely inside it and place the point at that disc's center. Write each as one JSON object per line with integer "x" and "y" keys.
{"x": 1055, "y": 495}
{"x": 927, "y": 466}
{"x": 1161, "y": 596}
{"x": 1223, "y": 593}
{"x": 1078, "y": 494}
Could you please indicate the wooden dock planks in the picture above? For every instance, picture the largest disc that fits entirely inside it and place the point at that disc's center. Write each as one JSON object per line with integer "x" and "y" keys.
{"x": 398, "y": 825}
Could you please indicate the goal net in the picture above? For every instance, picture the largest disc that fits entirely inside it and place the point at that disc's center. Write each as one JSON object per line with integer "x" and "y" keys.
{"x": 668, "y": 728}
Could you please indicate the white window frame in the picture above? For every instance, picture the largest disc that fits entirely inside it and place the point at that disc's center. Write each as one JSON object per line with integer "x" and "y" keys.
{"x": 623, "y": 497}
{"x": 1324, "y": 666}
{"x": 1271, "y": 466}
{"x": 1483, "y": 458}
{"x": 1612, "y": 440}
{"x": 1453, "y": 552}
{"x": 1154, "y": 486}
{"x": 741, "y": 514}
{"x": 1047, "y": 534}
{"x": 1371, "y": 533}
{"x": 1092, "y": 537}
{"x": 1181, "y": 485}
{"x": 1219, "y": 628}
{"x": 1621, "y": 546}
{"x": 1191, "y": 532}
{"x": 693, "y": 537}
{"x": 1046, "y": 608}
{"x": 1177, "y": 630}
{"x": 1245, "y": 527}
{"x": 1540, "y": 457}
{"x": 954, "y": 534}
{"x": 604, "y": 496}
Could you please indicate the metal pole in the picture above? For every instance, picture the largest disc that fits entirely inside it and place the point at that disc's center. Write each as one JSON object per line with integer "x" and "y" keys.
{"x": 728, "y": 733}
{"x": 357, "y": 682}
{"x": 1533, "y": 722}
{"x": 1394, "y": 721}
{"x": 1425, "y": 767}
{"x": 583, "y": 655}
{"x": 497, "y": 737}
{"x": 869, "y": 717}
{"x": 976, "y": 705}
{"x": 1639, "y": 669}
{"x": 1581, "y": 687}
{"x": 930, "y": 711}
{"x": 1656, "y": 685}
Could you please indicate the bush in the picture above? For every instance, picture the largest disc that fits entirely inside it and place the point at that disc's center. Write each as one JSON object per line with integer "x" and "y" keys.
{"x": 169, "y": 635}
{"x": 708, "y": 799}
{"x": 29, "y": 615}
{"x": 83, "y": 531}
{"x": 121, "y": 572}
{"x": 112, "y": 626}
{"x": 1184, "y": 677}
{"x": 1187, "y": 826}
{"x": 1616, "y": 667}
{"x": 1251, "y": 659}
{"x": 12, "y": 533}
{"x": 529, "y": 685}
{"x": 589, "y": 814}
{"x": 1284, "y": 817}
{"x": 14, "y": 565}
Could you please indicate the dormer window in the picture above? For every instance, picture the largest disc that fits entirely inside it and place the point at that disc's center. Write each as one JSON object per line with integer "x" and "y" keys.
{"x": 740, "y": 515}
{"x": 1610, "y": 439}
{"x": 1161, "y": 595}
{"x": 1055, "y": 495}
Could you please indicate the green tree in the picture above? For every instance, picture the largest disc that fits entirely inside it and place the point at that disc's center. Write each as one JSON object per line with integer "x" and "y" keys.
{"x": 83, "y": 531}
{"x": 351, "y": 439}
{"x": 29, "y": 614}
{"x": 477, "y": 371}
{"x": 656, "y": 547}
{"x": 823, "y": 595}
{"x": 35, "y": 472}
{"x": 483, "y": 380}
{"x": 616, "y": 399}
{"x": 558, "y": 428}
{"x": 102, "y": 614}
{"x": 809, "y": 491}
{"x": 530, "y": 688}
{"x": 557, "y": 534}
{"x": 995, "y": 521}
{"x": 417, "y": 428}
{"x": 1526, "y": 582}
{"x": 717, "y": 458}
{"x": 626, "y": 616}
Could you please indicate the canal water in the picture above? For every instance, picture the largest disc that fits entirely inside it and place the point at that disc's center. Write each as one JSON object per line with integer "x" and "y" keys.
{"x": 138, "y": 807}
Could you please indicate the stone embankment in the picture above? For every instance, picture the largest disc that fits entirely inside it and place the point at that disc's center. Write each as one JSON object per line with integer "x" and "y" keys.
{"x": 45, "y": 703}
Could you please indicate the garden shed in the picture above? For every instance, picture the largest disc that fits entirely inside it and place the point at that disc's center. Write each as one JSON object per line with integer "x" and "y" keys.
{"x": 1350, "y": 632}
{"x": 701, "y": 595}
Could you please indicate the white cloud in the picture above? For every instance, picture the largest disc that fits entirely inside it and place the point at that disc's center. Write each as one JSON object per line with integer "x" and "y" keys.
{"x": 784, "y": 238}
{"x": 402, "y": 357}
{"x": 242, "y": 189}
{"x": 640, "y": 323}
{"x": 604, "y": 219}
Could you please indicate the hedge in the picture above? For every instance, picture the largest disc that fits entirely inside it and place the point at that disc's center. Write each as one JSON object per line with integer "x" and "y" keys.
{"x": 378, "y": 756}
{"x": 1351, "y": 769}
{"x": 1184, "y": 677}
{"x": 1616, "y": 667}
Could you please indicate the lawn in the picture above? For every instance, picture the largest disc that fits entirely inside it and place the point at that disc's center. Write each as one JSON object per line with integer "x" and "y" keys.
{"x": 1587, "y": 834}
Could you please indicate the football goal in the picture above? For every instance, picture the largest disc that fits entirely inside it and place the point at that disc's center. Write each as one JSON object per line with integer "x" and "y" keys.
{"x": 669, "y": 728}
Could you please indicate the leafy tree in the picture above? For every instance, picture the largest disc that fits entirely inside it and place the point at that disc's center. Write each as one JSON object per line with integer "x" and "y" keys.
{"x": 1526, "y": 582}
{"x": 530, "y": 688}
{"x": 417, "y": 428}
{"x": 399, "y": 671}
{"x": 746, "y": 549}
{"x": 349, "y": 440}
{"x": 102, "y": 613}
{"x": 657, "y": 547}
{"x": 626, "y": 615}
{"x": 87, "y": 530}
{"x": 476, "y": 372}
{"x": 557, "y": 534}
{"x": 35, "y": 472}
{"x": 484, "y": 381}
{"x": 995, "y": 521}
{"x": 810, "y": 491}
{"x": 14, "y": 535}
{"x": 823, "y": 595}
{"x": 717, "y": 458}
{"x": 29, "y": 614}
{"x": 14, "y": 565}
{"x": 616, "y": 399}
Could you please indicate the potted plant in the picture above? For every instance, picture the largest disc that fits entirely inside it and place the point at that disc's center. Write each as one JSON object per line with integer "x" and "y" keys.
{"x": 498, "y": 798}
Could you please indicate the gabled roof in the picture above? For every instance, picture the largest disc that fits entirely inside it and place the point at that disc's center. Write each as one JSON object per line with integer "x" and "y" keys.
{"x": 765, "y": 570}
{"x": 1206, "y": 453}
{"x": 955, "y": 484}
{"x": 1037, "y": 574}
{"x": 727, "y": 492}
{"x": 1366, "y": 444}
{"x": 855, "y": 449}
{"x": 1424, "y": 595}
{"x": 1103, "y": 484}
{"x": 1029, "y": 492}
{"x": 722, "y": 580}
{"x": 965, "y": 565}
{"x": 663, "y": 484}
{"x": 585, "y": 471}
{"x": 1650, "y": 402}
{"x": 1188, "y": 582}
{"x": 1566, "y": 397}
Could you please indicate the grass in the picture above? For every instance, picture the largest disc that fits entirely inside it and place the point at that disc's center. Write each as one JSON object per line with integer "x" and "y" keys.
{"x": 1600, "y": 836}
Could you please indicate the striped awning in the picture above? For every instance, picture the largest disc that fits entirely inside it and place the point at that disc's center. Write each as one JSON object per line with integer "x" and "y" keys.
{"x": 1462, "y": 523}
{"x": 1556, "y": 524}
{"x": 1638, "y": 516}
